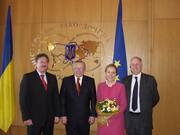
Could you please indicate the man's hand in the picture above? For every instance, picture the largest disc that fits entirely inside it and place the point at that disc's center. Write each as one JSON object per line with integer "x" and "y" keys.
{"x": 28, "y": 122}
{"x": 56, "y": 120}
{"x": 64, "y": 120}
{"x": 91, "y": 120}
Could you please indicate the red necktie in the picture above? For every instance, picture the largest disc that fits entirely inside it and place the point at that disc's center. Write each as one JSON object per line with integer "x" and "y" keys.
{"x": 78, "y": 86}
{"x": 43, "y": 82}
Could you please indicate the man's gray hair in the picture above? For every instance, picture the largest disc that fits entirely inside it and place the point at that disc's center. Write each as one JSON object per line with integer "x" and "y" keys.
{"x": 79, "y": 61}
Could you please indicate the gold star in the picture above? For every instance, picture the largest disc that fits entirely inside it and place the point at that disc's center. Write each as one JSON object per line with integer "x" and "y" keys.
{"x": 117, "y": 63}
{"x": 117, "y": 78}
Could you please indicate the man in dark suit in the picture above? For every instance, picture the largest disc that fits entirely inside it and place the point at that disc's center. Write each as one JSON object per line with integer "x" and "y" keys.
{"x": 78, "y": 101}
{"x": 39, "y": 99}
{"x": 142, "y": 95}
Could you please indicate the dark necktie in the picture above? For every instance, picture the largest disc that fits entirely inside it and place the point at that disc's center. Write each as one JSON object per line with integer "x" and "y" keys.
{"x": 78, "y": 85}
{"x": 135, "y": 95}
{"x": 43, "y": 82}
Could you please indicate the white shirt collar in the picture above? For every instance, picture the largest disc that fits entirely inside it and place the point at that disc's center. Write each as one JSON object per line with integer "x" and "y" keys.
{"x": 41, "y": 73}
{"x": 138, "y": 75}
{"x": 45, "y": 78}
{"x": 80, "y": 79}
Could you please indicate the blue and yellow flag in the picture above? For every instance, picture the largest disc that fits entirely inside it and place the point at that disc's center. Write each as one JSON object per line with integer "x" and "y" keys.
{"x": 119, "y": 58}
{"x": 6, "y": 79}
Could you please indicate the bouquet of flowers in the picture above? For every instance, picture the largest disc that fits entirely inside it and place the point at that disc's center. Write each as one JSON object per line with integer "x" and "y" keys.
{"x": 106, "y": 109}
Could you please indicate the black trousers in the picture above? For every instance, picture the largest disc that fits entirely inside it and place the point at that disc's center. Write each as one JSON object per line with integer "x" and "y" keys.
{"x": 135, "y": 131}
{"x": 46, "y": 129}
{"x": 77, "y": 129}
{"x": 135, "y": 128}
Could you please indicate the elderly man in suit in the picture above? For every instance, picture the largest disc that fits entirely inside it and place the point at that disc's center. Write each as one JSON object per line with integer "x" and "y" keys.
{"x": 39, "y": 99}
{"x": 78, "y": 101}
{"x": 142, "y": 95}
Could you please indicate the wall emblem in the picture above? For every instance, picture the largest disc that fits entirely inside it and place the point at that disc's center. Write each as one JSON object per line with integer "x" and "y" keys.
{"x": 67, "y": 43}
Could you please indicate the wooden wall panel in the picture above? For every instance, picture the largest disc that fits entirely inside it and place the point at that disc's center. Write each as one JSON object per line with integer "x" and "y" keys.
{"x": 3, "y": 7}
{"x": 166, "y": 9}
{"x": 108, "y": 48}
{"x": 108, "y": 9}
{"x": 71, "y": 11}
{"x": 135, "y": 9}
{"x": 164, "y": 61}
{"x": 165, "y": 66}
{"x": 136, "y": 39}
{"x": 151, "y": 29}
{"x": 23, "y": 37}
{"x": 132, "y": 10}
{"x": 26, "y": 11}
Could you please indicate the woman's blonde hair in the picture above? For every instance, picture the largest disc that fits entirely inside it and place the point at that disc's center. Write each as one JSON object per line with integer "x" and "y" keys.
{"x": 111, "y": 65}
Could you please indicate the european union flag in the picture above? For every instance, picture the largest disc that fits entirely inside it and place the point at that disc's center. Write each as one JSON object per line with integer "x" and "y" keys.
{"x": 119, "y": 58}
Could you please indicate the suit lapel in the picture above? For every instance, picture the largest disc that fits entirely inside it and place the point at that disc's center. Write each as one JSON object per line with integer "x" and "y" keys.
{"x": 73, "y": 84}
{"x": 83, "y": 85}
{"x": 129, "y": 88}
{"x": 48, "y": 80}
{"x": 142, "y": 86}
{"x": 38, "y": 80}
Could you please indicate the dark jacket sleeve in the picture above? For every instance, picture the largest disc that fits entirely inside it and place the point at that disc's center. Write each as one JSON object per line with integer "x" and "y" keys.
{"x": 56, "y": 98}
{"x": 155, "y": 95}
{"x": 93, "y": 99}
{"x": 23, "y": 98}
{"x": 62, "y": 99}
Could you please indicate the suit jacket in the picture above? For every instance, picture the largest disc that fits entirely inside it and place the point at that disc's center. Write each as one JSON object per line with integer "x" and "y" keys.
{"x": 149, "y": 97}
{"x": 35, "y": 102}
{"x": 78, "y": 108}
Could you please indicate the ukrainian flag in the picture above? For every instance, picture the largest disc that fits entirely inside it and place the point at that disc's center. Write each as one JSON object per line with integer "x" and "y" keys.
{"x": 6, "y": 79}
{"x": 119, "y": 58}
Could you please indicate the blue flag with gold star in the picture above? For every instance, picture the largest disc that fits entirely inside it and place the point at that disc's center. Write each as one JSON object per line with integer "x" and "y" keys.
{"x": 119, "y": 58}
